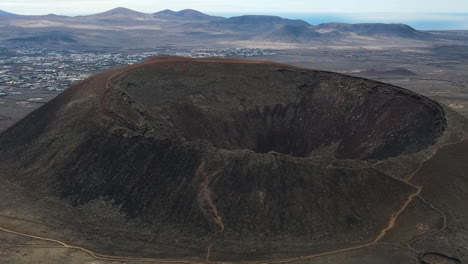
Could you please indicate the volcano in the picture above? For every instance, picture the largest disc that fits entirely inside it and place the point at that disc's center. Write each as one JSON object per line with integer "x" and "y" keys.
{"x": 253, "y": 161}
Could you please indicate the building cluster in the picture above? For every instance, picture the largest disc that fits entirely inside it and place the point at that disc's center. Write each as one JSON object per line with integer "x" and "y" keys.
{"x": 224, "y": 53}
{"x": 51, "y": 70}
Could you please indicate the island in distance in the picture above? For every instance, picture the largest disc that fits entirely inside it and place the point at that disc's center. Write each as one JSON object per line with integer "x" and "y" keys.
{"x": 223, "y": 160}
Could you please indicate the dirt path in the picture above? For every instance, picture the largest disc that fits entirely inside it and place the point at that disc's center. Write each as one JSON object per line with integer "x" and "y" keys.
{"x": 217, "y": 219}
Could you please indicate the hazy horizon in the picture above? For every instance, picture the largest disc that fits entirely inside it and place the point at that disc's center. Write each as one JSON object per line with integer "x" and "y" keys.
{"x": 421, "y": 21}
{"x": 428, "y": 14}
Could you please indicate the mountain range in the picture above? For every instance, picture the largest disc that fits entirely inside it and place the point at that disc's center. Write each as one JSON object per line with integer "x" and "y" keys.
{"x": 122, "y": 27}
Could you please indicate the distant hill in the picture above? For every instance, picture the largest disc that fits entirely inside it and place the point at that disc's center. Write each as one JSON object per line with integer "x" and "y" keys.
{"x": 253, "y": 23}
{"x": 48, "y": 38}
{"x": 120, "y": 12}
{"x": 186, "y": 14}
{"x": 6, "y": 14}
{"x": 117, "y": 16}
{"x": 372, "y": 29}
{"x": 294, "y": 34}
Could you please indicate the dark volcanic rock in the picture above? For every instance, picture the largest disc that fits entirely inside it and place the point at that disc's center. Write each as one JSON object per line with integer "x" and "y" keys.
{"x": 241, "y": 149}
{"x": 365, "y": 120}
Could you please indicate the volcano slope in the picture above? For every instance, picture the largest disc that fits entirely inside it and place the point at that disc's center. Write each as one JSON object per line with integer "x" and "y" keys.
{"x": 231, "y": 160}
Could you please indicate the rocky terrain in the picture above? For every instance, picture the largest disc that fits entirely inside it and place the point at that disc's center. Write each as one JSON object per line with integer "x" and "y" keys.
{"x": 228, "y": 160}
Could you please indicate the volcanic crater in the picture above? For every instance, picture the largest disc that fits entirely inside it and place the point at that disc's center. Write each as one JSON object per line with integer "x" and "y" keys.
{"x": 244, "y": 153}
{"x": 293, "y": 111}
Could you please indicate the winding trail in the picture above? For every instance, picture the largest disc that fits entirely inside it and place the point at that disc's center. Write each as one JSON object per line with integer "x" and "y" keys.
{"x": 205, "y": 197}
{"x": 391, "y": 224}
{"x": 395, "y": 216}
{"x": 118, "y": 258}
{"x": 97, "y": 255}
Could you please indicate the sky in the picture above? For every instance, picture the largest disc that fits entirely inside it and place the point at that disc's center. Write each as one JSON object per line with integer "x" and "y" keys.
{"x": 423, "y": 13}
